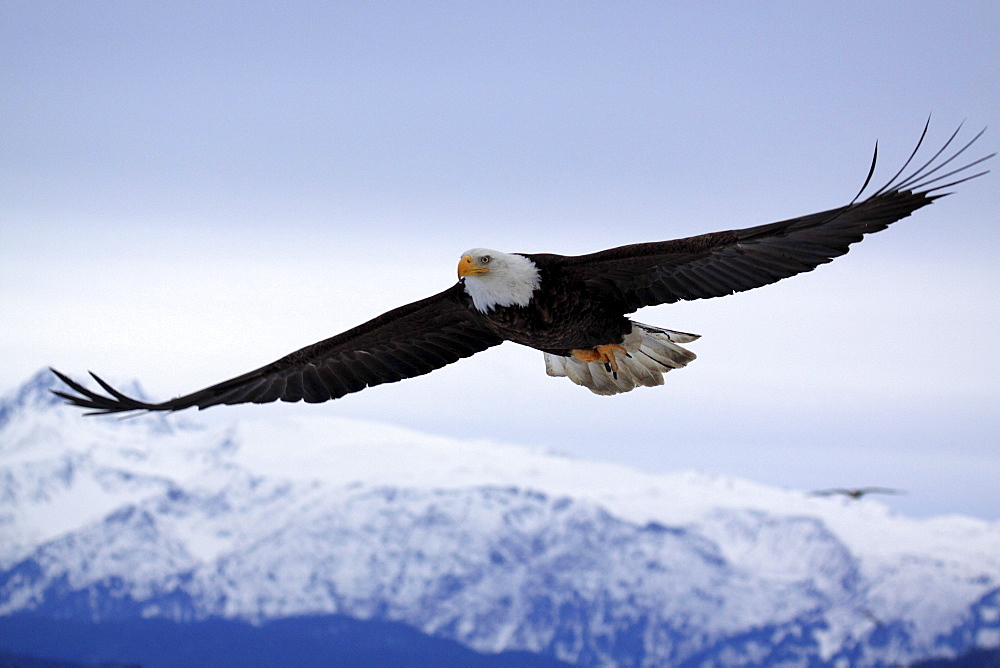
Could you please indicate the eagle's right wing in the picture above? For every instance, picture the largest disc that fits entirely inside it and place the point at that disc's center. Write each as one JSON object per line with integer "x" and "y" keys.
{"x": 408, "y": 341}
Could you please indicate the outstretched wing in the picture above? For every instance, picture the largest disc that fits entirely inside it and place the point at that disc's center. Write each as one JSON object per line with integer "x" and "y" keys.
{"x": 408, "y": 341}
{"x": 879, "y": 490}
{"x": 857, "y": 493}
{"x": 722, "y": 263}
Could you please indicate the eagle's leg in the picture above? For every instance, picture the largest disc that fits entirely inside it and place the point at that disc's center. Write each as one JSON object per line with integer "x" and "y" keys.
{"x": 602, "y": 353}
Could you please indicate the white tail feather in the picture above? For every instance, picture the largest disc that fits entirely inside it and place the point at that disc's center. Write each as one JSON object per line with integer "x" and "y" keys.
{"x": 652, "y": 351}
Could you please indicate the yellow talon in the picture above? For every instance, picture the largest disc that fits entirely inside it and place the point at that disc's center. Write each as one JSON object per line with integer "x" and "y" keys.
{"x": 602, "y": 353}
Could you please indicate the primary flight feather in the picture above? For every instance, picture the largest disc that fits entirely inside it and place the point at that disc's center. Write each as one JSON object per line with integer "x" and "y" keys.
{"x": 572, "y": 308}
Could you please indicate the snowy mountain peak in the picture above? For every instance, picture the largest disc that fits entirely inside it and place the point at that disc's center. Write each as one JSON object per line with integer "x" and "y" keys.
{"x": 34, "y": 394}
{"x": 493, "y": 545}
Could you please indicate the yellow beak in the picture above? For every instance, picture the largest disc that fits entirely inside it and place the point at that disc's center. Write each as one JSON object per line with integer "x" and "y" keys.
{"x": 468, "y": 267}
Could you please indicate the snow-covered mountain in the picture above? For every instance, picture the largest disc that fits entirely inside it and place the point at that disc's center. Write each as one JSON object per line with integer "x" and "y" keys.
{"x": 192, "y": 516}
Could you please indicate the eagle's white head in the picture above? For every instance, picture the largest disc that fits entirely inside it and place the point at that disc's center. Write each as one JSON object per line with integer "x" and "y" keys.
{"x": 493, "y": 278}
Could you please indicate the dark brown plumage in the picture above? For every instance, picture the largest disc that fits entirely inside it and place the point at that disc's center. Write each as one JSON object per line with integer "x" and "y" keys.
{"x": 857, "y": 492}
{"x": 576, "y": 303}
{"x": 408, "y": 341}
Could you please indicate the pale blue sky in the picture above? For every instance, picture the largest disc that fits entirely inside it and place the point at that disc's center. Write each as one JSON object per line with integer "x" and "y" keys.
{"x": 190, "y": 190}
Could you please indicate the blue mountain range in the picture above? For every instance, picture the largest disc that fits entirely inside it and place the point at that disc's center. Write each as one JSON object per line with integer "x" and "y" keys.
{"x": 292, "y": 539}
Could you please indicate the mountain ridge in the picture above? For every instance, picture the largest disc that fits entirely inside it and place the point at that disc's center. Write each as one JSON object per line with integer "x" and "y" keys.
{"x": 495, "y": 546}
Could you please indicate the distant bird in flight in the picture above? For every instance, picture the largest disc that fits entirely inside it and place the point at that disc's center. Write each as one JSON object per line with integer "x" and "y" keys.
{"x": 572, "y": 308}
{"x": 858, "y": 492}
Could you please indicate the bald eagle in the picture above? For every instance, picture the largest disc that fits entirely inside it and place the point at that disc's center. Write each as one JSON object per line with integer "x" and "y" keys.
{"x": 572, "y": 308}
{"x": 857, "y": 492}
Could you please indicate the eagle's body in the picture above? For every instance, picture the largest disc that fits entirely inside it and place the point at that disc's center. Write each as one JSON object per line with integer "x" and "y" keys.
{"x": 562, "y": 313}
{"x": 572, "y": 308}
{"x": 558, "y": 304}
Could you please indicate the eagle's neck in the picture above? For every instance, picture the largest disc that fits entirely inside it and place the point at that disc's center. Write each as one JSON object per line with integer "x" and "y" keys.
{"x": 511, "y": 281}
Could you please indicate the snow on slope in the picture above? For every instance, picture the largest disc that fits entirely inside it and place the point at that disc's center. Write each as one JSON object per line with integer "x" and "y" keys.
{"x": 896, "y": 554}
{"x": 499, "y": 546}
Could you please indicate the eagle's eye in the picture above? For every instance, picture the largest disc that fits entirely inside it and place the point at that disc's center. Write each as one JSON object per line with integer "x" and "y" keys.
{"x": 485, "y": 259}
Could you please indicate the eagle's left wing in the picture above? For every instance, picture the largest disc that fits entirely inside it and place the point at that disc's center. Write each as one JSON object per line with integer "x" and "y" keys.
{"x": 722, "y": 263}
{"x": 402, "y": 343}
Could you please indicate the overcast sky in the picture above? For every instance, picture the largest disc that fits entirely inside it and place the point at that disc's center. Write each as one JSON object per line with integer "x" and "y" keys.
{"x": 191, "y": 190}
